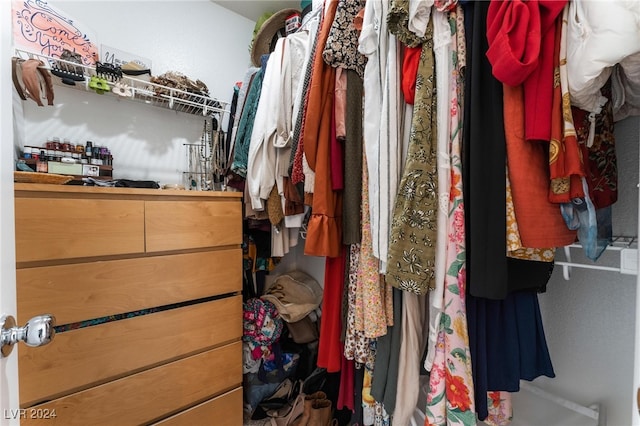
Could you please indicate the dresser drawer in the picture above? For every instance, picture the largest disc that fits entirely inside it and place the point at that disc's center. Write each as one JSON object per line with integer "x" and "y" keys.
{"x": 57, "y": 228}
{"x": 89, "y": 356}
{"x": 224, "y": 410}
{"x": 178, "y": 225}
{"x": 150, "y": 395}
{"x": 82, "y": 291}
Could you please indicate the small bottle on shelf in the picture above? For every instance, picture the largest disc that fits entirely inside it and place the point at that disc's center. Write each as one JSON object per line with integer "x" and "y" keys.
{"x": 26, "y": 152}
{"x": 57, "y": 146}
{"x": 80, "y": 151}
{"x": 88, "y": 151}
{"x": 50, "y": 150}
{"x": 66, "y": 148}
{"x": 41, "y": 165}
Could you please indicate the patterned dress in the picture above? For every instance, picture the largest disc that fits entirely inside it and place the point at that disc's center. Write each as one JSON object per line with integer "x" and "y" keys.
{"x": 356, "y": 345}
{"x": 371, "y": 291}
{"x": 411, "y": 258}
{"x": 451, "y": 390}
{"x": 451, "y": 398}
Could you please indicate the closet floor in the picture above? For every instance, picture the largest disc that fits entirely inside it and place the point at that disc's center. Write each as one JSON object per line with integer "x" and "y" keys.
{"x": 248, "y": 422}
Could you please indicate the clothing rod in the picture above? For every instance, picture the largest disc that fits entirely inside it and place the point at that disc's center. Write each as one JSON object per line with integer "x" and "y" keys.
{"x": 573, "y": 406}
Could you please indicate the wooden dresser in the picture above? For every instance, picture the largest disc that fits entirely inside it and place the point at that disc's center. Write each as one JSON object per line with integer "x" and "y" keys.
{"x": 146, "y": 288}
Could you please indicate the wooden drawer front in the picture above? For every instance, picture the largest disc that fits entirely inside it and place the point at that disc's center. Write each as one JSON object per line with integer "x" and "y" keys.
{"x": 87, "y": 356}
{"x": 177, "y": 225}
{"x": 82, "y": 291}
{"x": 224, "y": 410}
{"x": 48, "y": 228}
{"x": 150, "y": 395}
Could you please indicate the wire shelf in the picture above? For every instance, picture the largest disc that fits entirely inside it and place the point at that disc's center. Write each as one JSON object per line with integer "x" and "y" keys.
{"x": 130, "y": 88}
{"x": 626, "y": 247}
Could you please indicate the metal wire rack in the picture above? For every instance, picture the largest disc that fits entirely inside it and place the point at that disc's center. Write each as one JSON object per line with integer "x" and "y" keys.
{"x": 129, "y": 88}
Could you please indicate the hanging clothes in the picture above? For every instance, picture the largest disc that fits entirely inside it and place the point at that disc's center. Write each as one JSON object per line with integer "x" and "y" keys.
{"x": 601, "y": 160}
{"x": 303, "y": 178}
{"x": 591, "y": 215}
{"x": 353, "y": 158}
{"x": 383, "y": 122}
{"x": 601, "y": 35}
{"x": 444, "y": 32}
{"x": 324, "y": 231}
{"x": 507, "y": 344}
{"x": 414, "y": 323}
{"x": 540, "y": 224}
{"x": 419, "y": 15}
{"x": 506, "y": 336}
{"x": 372, "y": 316}
{"x": 384, "y": 385}
{"x": 412, "y": 242}
{"x": 233, "y": 116}
{"x": 566, "y": 165}
{"x": 521, "y": 38}
{"x": 451, "y": 392}
{"x": 245, "y": 126}
{"x": 356, "y": 344}
{"x": 598, "y": 162}
{"x": 374, "y": 412}
{"x": 515, "y": 248}
{"x": 262, "y": 155}
{"x": 294, "y": 60}
{"x": 341, "y": 48}
{"x": 483, "y": 166}
{"x": 330, "y": 348}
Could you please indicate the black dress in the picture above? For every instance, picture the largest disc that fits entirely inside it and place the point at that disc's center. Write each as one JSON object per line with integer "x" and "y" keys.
{"x": 506, "y": 336}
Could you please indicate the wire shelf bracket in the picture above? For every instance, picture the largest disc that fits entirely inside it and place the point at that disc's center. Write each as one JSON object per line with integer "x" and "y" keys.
{"x": 628, "y": 258}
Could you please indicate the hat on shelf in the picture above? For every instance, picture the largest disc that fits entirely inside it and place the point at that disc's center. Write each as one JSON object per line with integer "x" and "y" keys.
{"x": 295, "y": 295}
{"x": 267, "y": 28}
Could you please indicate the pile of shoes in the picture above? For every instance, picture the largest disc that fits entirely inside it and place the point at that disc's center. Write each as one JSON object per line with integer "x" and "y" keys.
{"x": 313, "y": 409}
{"x": 176, "y": 80}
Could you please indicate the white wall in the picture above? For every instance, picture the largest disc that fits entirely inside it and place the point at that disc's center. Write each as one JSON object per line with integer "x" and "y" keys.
{"x": 197, "y": 38}
{"x": 296, "y": 260}
{"x": 590, "y": 320}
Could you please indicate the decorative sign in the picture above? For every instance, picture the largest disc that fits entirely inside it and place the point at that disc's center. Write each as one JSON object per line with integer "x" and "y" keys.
{"x": 40, "y": 28}
{"x": 111, "y": 55}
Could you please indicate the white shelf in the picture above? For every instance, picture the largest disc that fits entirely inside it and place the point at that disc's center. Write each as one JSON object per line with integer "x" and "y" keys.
{"x": 534, "y": 405}
{"x": 627, "y": 247}
{"x": 141, "y": 91}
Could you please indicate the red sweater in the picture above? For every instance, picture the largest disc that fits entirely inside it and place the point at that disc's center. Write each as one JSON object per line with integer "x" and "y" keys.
{"x": 521, "y": 42}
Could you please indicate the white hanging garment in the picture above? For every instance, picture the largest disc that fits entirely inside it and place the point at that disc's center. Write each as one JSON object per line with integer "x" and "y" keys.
{"x": 442, "y": 45}
{"x": 600, "y": 35}
{"x": 383, "y": 122}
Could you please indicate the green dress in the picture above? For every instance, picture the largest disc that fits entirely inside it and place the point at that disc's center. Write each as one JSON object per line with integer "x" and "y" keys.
{"x": 412, "y": 242}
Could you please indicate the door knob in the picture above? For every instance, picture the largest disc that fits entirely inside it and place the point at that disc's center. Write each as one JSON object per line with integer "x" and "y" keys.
{"x": 38, "y": 331}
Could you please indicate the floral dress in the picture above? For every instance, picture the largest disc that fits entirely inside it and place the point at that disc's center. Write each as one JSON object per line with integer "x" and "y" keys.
{"x": 356, "y": 345}
{"x": 451, "y": 399}
{"x": 451, "y": 391}
{"x": 373, "y": 311}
